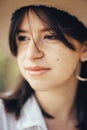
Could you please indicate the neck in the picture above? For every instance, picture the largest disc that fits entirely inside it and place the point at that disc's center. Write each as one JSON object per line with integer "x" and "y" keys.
{"x": 60, "y": 102}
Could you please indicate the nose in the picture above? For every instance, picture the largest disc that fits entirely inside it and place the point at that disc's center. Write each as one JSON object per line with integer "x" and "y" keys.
{"x": 33, "y": 52}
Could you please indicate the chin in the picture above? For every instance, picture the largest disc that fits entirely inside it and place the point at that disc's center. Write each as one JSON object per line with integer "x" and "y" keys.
{"x": 39, "y": 88}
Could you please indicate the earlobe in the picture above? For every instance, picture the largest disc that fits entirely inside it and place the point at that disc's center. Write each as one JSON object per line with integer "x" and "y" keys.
{"x": 84, "y": 52}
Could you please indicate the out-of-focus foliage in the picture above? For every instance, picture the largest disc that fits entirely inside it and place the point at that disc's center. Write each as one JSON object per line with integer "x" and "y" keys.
{"x": 8, "y": 71}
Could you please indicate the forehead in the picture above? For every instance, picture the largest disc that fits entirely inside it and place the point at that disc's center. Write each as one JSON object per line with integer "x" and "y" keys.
{"x": 31, "y": 20}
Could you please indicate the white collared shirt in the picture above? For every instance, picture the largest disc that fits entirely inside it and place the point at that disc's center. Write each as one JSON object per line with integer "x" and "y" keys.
{"x": 31, "y": 117}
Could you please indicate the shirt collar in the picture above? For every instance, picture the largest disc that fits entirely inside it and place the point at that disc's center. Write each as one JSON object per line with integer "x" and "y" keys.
{"x": 31, "y": 115}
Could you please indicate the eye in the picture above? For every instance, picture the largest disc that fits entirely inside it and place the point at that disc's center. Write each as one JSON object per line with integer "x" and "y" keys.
{"x": 22, "y": 38}
{"x": 50, "y": 37}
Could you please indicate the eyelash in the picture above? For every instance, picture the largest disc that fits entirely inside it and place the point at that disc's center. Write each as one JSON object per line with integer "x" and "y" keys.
{"x": 23, "y": 38}
{"x": 50, "y": 37}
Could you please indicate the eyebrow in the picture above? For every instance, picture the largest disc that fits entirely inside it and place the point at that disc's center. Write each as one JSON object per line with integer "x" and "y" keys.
{"x": 21, "y": 31}
{"x": 27, "y": 31}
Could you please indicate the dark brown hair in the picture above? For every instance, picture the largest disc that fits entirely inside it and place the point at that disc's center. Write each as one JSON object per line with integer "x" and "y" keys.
{"x": 58, "y": 21}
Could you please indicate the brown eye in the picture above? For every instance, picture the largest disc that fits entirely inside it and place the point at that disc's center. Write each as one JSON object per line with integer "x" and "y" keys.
{"x": 50, "y": 37}
{"x": 22, "y": 38}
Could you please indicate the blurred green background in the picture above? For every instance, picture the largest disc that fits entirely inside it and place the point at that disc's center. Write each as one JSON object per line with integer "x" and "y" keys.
{"x": 8, "y": 71}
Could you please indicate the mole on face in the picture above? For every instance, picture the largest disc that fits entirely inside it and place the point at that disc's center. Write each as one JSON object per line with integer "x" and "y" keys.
{"x": 57, "y": 59}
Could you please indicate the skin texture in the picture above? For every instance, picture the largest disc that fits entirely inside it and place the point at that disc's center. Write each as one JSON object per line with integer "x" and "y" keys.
{"x": 55, "y": 84}
{"x": 52, "y": 54}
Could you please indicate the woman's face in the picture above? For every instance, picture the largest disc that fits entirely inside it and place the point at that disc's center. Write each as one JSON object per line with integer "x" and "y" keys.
{"x": 44, "y": 61}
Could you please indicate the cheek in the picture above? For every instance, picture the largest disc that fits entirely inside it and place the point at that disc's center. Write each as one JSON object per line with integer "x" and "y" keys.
{"x": 20, "y": 61}
{"x": 65, "y": 60}
{"x": 20, "y": 56}
{"x": 57, "y": 59}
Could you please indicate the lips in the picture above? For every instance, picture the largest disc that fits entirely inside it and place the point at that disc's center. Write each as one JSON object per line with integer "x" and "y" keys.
{"x": 37, "y": 70}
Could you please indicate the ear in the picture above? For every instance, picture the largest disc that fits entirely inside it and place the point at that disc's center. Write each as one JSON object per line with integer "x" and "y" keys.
{"x": 84, "y": 52}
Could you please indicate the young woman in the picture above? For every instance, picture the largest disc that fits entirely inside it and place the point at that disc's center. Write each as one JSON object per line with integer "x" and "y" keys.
{"x": 51, "y": 49}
